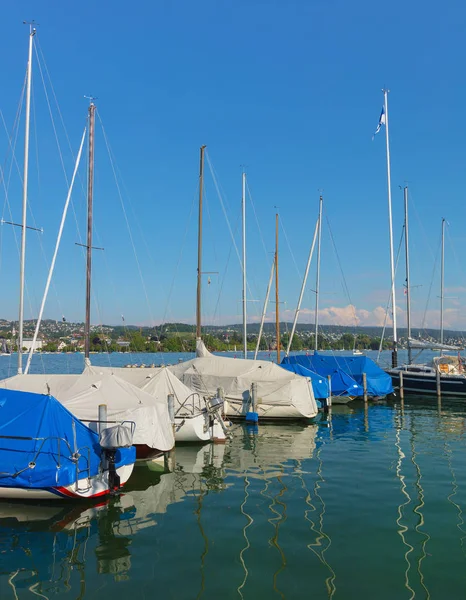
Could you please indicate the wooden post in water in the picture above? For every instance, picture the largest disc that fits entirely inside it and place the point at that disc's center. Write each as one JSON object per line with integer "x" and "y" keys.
{"x": 328, "y": 404}
{"x": 170, "y": 455}
{"x": 253, "y": 396}
{"x": 402, "y": 389}
{"x": 364, "y": 385}
{"x": 439, "y": 385}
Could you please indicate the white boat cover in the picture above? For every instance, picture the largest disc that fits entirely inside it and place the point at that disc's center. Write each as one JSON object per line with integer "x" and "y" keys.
{"x": 82, "y": 394}
{"x": 275, "y": 386}
{"x": 421, "y": 345}
{"x": 156, "y": 381}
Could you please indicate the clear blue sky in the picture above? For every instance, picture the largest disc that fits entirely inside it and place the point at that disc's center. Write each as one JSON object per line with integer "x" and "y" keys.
{"x": 290, "y": 89}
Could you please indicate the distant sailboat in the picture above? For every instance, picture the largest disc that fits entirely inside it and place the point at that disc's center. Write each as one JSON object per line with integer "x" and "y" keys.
{"x": 447, "y": 371}
{"x": 277, "y": 394}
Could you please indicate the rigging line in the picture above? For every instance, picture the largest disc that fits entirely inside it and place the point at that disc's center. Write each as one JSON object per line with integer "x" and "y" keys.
{"x": 289, "y": 248}
{"x": 345, "y": 284}
{"x": 224, "y": 276}
{"x": 212, "y": 172}
{"x": 423, "y": 322}
{"x": 387, "y": 307}
{"x": 459, "y": 266}
{"x": 180, "y": 256}
{"x": 2, "y": 170}
{"x": 223, "y": 207}
{"x": 6, "y": 186}
{"x": 257, "y": 223}
{"x": 428, "y": 239}
{"x": 126, "y": 217}
{"x": 55, "y": 130}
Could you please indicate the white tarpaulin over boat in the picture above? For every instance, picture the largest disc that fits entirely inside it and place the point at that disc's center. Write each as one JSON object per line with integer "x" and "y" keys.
{"x": 82, "y": 394}
{"x": 276, "y": 387}
{"x": 156, "y": 381}
{"x": 421, "y": 345}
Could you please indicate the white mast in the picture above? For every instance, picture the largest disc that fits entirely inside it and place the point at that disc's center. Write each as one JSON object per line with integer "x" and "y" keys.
{"x": 32, "y": 32}
{"x": 408, "y": 288}
{"x": 303, "y": 287}
{"x": 442, "y": 281}
{"x": 264, "y": 311}
{"x": 390, "y": 228}
{"x": 245, "y": 333}
{"x": 316, "y": 345}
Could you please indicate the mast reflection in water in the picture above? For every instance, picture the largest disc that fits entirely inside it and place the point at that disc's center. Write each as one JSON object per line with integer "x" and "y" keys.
{"x": 365, "y": 502}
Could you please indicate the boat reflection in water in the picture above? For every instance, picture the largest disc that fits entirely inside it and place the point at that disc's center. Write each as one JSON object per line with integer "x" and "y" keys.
{"x": 46, "y": 549}
{"x": 50, "y": 550}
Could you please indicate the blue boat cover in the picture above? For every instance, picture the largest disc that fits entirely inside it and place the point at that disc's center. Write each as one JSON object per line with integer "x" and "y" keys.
{"x": 319, "y": 383}
{"x": 346, "y": 372}
{"x": 31, "y": 455}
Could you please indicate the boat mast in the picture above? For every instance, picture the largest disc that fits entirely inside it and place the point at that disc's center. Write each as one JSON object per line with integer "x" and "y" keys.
{"x": 277, "y": 306}
{"x": 199, "y": 247}
{"x": 442, "y": 281}
{"x": 32, "y": 33}
{"x": 408, "y": 288}
{"x": 390, "y": 228}
{"x": 316, "y": 318}
{"x": 245, "y": 333}
{"x": 90, "y": 193}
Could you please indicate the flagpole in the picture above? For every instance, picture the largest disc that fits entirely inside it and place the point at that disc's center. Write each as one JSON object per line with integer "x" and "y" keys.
{"x": 390, "y": 228}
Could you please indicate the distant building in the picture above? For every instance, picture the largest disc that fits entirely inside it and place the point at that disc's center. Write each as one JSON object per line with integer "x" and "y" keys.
{"x": 27, "y": 343}
{"x": 123, "y": 344}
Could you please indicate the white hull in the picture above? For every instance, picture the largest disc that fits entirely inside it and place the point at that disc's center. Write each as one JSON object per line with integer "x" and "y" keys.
{"x": 342, "y": 399}
{"x": 237, "y": 409}
{"x": 197, "y": 429}
{"x": 98, "y": 487}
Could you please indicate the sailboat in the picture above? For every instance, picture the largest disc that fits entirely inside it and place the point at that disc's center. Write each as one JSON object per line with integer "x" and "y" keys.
{"x": 342, "y": 376}
{"x": 45, "y": 451}
{"x": 146, "y": 416}
{"x": 244, "y": 385}
{"x": 446, "y": 373}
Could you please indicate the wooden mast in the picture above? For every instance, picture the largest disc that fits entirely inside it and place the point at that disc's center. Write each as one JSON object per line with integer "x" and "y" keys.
{"x": 277, "y": 307}
{"x": 199, "y": 247}
{"x": 90, "y": 192}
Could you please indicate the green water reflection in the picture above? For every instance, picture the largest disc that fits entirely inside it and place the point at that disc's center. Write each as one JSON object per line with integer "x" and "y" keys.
{"x": 364, "y": 503}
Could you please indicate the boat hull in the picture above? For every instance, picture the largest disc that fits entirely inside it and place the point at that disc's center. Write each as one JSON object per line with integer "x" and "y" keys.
{"x": 426, "y": 384}
{"x": 98, "y": 487}
{"x": 198, "y": 428}
{"x": 238, "y": 410}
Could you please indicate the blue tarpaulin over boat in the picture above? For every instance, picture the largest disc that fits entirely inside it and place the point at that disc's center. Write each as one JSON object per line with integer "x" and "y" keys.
{"x": 319, "y": 383}
{"x": 38, "y": 437}
{"x": 346, "y": 373}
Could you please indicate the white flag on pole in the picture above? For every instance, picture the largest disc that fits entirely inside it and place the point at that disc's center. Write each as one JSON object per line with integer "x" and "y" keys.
{"x": 381, "y": 122}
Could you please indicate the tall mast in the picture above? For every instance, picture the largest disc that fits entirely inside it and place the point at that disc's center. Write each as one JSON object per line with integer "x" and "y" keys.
{"x": 277, "y": 306}
{"x": 316, "y": 318}
{"x": 199, "y": 246}
{"x": 245, "y": 332}
{"x": 442, "y": 281}
{"x": 32, "y": 33}
{"x": 408, "y": 288}
{"x": 390, "y": 228}
{"x": 90, "y": 193}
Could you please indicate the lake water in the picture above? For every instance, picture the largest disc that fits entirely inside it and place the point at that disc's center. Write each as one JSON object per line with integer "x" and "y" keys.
{"x": 362, "y": 503}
